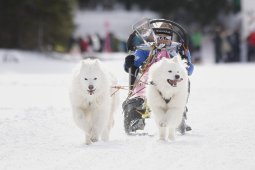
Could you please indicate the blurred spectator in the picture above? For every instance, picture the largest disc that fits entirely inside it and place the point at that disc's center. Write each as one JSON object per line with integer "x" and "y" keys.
{"x": 84, "y": 44}
{"x": 122, "y": 46}
{"x": 196, "y": 40}
{"x": 226, "y": 47}
{"x": 217, "y": 44}
{"x": 251, "y": 46}
{"x": 107, "y": 43}
{"x": 234, "y": 40}
{"x": 96, "y": 43}
{"x": 114, "y": 43}
{"x": 71, "y": 42}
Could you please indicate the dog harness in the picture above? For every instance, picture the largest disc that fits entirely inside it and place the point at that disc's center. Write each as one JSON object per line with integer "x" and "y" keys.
{"x": 166, "y": 100}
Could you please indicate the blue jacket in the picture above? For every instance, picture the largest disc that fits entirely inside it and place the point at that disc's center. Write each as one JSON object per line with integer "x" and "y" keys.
{"x": 142, "y": 55}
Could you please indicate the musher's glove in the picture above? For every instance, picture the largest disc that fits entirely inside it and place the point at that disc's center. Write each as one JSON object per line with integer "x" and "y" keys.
{"x": 129, "y": 62}
{"x": 182, "y": 52}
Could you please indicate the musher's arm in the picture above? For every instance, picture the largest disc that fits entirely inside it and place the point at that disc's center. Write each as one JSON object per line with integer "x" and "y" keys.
{"x": 185, "y": 54}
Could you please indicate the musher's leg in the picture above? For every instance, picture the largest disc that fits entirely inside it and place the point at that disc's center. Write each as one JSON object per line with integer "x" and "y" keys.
{"x": 132, "y": 76}
{"x": 133, "y": 109}
{"x": 183, "y": 127}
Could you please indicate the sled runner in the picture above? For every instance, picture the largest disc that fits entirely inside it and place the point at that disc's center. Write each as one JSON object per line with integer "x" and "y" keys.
{"x": 144, "y": 37}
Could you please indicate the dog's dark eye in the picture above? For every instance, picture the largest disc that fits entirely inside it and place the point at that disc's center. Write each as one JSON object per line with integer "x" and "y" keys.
{"x": 95, "y": 78}
{"x": 85, "y": 79}
{"x": 170, "y": 71}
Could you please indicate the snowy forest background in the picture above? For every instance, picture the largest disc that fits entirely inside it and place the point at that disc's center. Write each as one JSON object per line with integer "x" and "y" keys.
{"x": 42, "y": 25}
{"x": 36, "y": 61}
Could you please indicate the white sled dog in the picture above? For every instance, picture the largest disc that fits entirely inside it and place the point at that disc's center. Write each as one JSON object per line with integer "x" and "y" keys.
{"x": 167, "y": 94}
{"x": 92, "y": 101}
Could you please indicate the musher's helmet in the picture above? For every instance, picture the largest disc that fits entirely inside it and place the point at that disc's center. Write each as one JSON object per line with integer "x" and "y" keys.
{"x": 164, "y": 28}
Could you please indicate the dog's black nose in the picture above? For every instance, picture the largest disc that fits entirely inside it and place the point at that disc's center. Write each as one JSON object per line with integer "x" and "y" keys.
{"x": 177, "y": 76}
{"x": 91, "y": 87}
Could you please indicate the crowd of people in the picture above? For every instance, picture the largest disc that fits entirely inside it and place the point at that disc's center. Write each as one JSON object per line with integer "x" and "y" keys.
{"x": 95, "y": 43}
{"x": 251, "y": 46}
{"x": 227, "y": 45}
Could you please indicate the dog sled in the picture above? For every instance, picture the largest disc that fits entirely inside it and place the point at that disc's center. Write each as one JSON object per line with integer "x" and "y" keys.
{"x": 144, "y": 38}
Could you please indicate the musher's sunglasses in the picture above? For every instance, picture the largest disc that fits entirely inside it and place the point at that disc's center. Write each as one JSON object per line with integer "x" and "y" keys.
{"x": 163, "y": 37}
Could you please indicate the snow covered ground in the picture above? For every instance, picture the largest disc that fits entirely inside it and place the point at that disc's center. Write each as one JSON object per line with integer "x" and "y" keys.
{"x": 37, "y": 130}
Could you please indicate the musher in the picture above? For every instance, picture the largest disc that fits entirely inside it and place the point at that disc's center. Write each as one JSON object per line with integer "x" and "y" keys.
{"x": 135, "y": 109}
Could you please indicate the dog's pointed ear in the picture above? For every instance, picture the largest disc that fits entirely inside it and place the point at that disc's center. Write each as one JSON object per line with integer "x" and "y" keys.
{"x": 97, "y": 63}
{"x": 82, "y": 66}
{"x": 82, "y": 63}
{"x": 176, "y": 58}
{"x": 164, "y": 59}
{"x": 79, "y": 68}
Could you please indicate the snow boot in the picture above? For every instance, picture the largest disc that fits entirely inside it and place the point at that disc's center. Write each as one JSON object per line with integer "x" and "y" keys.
{"x": 133, "y": 118}
{"x": 183, "y": 127}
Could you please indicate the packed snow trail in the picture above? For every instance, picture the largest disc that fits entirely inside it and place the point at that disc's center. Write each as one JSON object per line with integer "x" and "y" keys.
{"x": 38, "y": 132}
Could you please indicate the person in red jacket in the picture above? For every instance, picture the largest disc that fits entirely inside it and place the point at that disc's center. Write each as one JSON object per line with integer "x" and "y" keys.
{"x": 251, "y": 45}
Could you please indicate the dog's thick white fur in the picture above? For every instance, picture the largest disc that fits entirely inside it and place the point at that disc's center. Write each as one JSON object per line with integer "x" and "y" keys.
{"x": 168, "y": 95}
{"x": 92, "y": 101}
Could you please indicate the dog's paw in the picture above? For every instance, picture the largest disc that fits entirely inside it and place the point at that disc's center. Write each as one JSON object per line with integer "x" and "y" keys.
{"x": 161, "y": 138}
{"x": 171, "y": 137}
{"x": 88, "y": 142}
{"x": 94, "y": 139}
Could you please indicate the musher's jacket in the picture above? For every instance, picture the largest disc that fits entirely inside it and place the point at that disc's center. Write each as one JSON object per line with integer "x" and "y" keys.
{"x": 173, "y": 49}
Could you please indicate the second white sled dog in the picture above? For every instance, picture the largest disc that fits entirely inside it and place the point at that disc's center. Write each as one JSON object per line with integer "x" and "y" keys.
{"x": 168, "y": 94}
{"x": 91, "y": 100}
